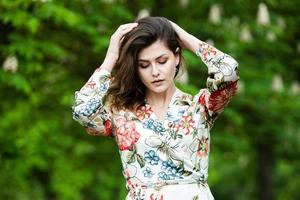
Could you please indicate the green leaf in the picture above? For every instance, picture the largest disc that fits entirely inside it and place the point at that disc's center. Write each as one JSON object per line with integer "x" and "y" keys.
{"x": 131, "y": 157}
{"x": 140, "y": 160}
{"x": 195, "y": 198}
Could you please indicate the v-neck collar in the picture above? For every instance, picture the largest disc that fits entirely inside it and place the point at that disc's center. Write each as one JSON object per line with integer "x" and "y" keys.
{"x": 174, "y": 95}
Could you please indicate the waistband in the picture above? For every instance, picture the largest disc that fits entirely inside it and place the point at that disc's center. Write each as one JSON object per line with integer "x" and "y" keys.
{"x": 159, "y": 184}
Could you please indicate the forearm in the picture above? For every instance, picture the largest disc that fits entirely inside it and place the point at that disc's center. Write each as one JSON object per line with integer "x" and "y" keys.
{"x": 221, "y": 66}
{"x": 109, "y": 62}
{"x": 88, "y": 108}
{"x": 190, "y": 42}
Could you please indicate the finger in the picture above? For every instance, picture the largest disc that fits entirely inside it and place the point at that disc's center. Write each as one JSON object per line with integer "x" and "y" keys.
{"x": 126, "y": 30}
{"x": 126, "y": 26}
{"x": 122, "y": 30}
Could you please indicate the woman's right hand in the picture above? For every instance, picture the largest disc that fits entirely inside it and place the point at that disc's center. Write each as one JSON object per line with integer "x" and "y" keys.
{"x": 112, "y": 54}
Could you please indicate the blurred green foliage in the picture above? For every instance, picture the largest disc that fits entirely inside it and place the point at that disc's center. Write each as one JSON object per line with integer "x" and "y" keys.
{"x": 49, "y": 48}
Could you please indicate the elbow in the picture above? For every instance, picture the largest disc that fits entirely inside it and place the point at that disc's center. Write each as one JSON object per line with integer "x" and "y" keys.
{"x": 237, "y": 71}
{"x": 232, "y": 74}
{"x": 231, "y": 63}
{"x": 77, "y": 114}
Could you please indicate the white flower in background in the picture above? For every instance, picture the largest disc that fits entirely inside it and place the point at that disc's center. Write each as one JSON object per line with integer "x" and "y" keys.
{"x": 184, "y": 3}
{"x": 183, "y": 76}
{"x": 108, "y": 1}
{"x": 44, "y": 1}
{"x": 295, "y": 88}
{"x": 271, "y": 36}
{"x": 246, "y": 35}
{"x": 215, "y": 14}
{"x": 243, "y": 160}
{"x": 10, "y": 64}
{"x": 143, "y": 13}
{"x": 234, "y": 22}
{"x": 281, "y": 23}
{"x": 210, "y": 41}
{"x": 277, "y": 84}
{"x": 263, "y": 14}
{"x": 102, "y": 28}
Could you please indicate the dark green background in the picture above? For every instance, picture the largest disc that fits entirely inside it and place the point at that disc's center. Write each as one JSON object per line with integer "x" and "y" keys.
{"x": 45, "y": 154}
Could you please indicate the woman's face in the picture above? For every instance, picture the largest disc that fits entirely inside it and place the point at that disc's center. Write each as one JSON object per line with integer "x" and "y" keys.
{"x": 157, "y": 67}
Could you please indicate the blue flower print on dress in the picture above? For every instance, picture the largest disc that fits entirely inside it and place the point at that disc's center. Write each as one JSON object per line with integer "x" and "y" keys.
{"x": 172, "y": 170}
{"x": 151, "y": 157}
{"x": 171, "y": 117}
{"x": 163, "y": 176}
{"x": 154, "y": 125}
{"x": 168, "y": 165}
{"x": 181, "y": 112}
{"x": 175, "y": 117}
{"x": 148, "y": 173}
{"x": 76, "y": 115}
{"x": 104, "y": 87}
{"x": 91, "y": 106}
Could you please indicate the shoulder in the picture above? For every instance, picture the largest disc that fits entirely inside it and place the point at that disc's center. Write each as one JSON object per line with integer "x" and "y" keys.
{"x": 183, "y": 98}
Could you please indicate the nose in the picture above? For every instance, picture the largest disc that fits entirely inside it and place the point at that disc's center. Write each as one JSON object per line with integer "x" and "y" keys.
{"x": 155, "y": 71}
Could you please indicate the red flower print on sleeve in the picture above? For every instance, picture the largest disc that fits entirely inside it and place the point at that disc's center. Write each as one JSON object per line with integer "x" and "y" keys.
{"x": 92, "y": 131}
{"x": 107, "y": 131}
{"x": 107, "y": 128}
{"x": 207, "y": 51}
{"x": 90, "y": 84}
{"x": 126, "y": 134}
{"x": 202, "y": 100}
{"x": 220, "y": 98}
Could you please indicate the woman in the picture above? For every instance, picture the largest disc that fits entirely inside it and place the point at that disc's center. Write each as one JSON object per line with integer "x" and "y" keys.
{"x": 163, "y": 134}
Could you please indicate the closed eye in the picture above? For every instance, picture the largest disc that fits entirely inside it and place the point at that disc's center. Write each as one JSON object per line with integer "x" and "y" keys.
{"x": 162, "y": 62}
{"x": 143, "y": 66}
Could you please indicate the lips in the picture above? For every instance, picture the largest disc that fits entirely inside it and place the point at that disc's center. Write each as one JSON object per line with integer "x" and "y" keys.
{"x": 157, "y": 81}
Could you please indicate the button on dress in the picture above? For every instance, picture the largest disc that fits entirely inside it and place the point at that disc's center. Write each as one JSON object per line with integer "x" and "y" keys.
{"x": 163, "y": 160}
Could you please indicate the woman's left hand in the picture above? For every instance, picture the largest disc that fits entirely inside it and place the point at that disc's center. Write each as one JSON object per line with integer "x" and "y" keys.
{"x": 182, "y": 34}
{"x": 187, "y": 40}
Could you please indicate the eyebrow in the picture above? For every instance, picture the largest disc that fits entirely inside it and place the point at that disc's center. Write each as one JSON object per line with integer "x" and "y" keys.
{"x": 142, "y": 60}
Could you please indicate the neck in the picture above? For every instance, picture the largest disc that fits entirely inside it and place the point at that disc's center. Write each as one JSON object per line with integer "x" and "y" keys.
{"x": 160, "y": 99}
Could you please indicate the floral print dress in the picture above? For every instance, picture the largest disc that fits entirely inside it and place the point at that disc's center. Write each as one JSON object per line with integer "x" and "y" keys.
{"x": 163, "y": 160}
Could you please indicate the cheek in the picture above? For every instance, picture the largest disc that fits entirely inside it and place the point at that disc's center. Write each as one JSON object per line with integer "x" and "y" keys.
{"x": 142, "y": 75}
{"x": 172, "y": 69}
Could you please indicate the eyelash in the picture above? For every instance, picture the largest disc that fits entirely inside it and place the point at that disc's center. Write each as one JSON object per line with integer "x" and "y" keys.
{"x": 145, "y": 66}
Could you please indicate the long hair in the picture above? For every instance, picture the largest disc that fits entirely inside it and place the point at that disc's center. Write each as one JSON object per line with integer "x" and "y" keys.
{"x": 127, "y": 91}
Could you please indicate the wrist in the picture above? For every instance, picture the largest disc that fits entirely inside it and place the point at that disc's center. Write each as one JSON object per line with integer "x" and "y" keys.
{"x": 191, "y": 43}
{"x": 112, "y": 57}
{"x": 109, "y": 62}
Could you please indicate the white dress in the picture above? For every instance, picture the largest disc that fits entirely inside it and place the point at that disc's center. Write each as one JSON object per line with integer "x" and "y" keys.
{"x": 163, "y": 160}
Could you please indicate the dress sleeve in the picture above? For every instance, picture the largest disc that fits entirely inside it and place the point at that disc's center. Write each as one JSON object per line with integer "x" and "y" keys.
{"x": 89, "y": 108}
{"x": 223, "y": 74}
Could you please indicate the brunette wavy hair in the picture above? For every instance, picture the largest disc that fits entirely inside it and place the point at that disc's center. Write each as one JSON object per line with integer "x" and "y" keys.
{"x": 127, "y": 91}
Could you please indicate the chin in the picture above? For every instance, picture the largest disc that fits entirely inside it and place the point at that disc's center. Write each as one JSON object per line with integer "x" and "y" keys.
{"x": 159, "y": 89}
